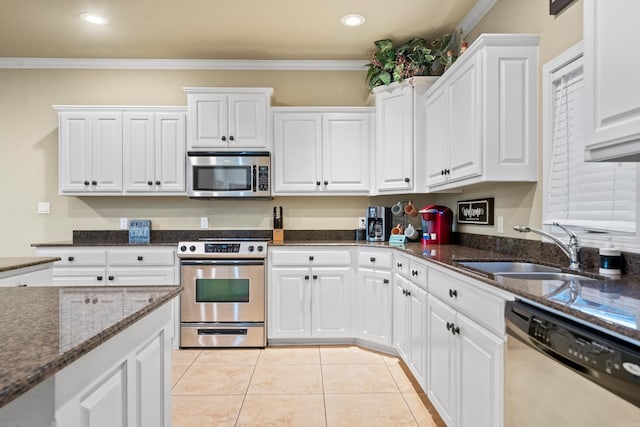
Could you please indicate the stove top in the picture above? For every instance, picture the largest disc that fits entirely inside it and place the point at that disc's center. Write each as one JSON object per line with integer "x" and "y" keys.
{"x": 223, "y": 248}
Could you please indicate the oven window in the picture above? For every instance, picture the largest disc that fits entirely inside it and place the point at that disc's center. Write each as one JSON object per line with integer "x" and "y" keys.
{"x": 222, "y": 290}
{"x": 222, "y": 178}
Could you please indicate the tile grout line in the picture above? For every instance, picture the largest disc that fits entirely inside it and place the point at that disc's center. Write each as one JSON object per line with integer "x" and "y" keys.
{"x": 244, "y": 396}
{"x": 185, "y": 371}
{"x": 402, "y": 394}
{"x": 324, "y": 395}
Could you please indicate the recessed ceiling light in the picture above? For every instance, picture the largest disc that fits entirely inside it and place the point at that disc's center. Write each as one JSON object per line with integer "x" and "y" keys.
{"x": 352, "y": 20}
{"x": 93, "y": 18}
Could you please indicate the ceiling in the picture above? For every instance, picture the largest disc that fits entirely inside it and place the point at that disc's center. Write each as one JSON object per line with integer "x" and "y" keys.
{"x": 218, "y": 29}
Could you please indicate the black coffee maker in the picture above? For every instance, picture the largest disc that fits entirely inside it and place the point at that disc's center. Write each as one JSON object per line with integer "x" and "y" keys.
{"x": 378, "y": 223}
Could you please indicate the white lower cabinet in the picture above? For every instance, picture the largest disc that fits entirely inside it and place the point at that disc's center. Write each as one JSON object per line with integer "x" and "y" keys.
{"x": 374, "y": 297}
{"x": 38, "y": 275}
{"x": 410, "y": 326}
{"x": 465, "y": 364}
{"x": 116, "y": 385}
{"x": 309, "y": 302}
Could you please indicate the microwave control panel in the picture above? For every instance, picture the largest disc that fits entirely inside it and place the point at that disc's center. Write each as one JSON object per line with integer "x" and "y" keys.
{"x": 263, "y": 178}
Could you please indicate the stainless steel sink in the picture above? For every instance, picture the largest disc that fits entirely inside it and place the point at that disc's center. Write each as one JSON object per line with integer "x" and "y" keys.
{"x": 540, "y": 275}
{"x": 497, "y": 267}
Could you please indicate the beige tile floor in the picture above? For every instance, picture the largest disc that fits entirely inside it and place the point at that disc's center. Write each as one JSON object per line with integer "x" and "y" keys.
{"x": 303, "y": 386}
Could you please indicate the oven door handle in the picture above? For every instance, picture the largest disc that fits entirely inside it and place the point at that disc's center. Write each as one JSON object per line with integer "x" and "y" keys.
{"x": 222, "y": 262}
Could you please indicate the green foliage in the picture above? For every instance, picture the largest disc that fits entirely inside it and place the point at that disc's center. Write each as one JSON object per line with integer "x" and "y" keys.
{"x": 414, "y": 58}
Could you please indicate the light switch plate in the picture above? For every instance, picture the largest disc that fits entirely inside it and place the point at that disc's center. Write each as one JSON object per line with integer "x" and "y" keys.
{"x": 362, "y": 222}
{"x": 123, "y": 224}
{"x": 44, "y": 207}
{"x": 204, "y": 222}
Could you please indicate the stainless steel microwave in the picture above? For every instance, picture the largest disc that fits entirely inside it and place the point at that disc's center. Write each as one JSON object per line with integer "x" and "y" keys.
{"x": 229, "y": 174}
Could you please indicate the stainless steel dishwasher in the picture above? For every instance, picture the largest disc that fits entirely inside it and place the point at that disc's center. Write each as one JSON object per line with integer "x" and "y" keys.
{"x": 560, "y": 372}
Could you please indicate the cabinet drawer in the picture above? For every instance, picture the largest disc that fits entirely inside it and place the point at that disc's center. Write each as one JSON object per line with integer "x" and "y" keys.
{"x": 72, "y": 257}
{"x": 401, "y": 263}
{"x": 129, "y": 257}
{"x": 418, "y": 273}
{"x": 310, "y": 258}
{"x": 469, "y": 299}
{"x": 379, "y": 259}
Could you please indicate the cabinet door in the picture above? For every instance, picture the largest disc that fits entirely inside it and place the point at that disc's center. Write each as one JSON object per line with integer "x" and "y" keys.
{"x": 298, "y": 154}
{"x": 481, "y": 366}
{"x": 394, "y": 140}
{"x": 375, "y": 306}
{"x": 345, "y": 152}
{"x": 104, "y": 406}
{"x": 151, "y": 371}
{"x": 289, "y": 303}
{"x": 465, "y": 155}
{"x": 442, "y": 360}
{"x": 401, "y": 320}
{"x": 106, "y": 152}
{"x": 169, "y": 158}
{"x": 139, "y": 151}
{"x": 208, "y": 121}
{"x": 247, "y": 121}
{"x": 437, "y": 136}
{"x": 331, "y": 302}
{"x": 612, "y": 102}
{"x": 417, "y": 301}
{"x": 75, "y": 151}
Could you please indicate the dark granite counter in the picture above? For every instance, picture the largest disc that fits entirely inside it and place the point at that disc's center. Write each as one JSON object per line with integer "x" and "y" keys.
{"x": 621, "y": 294}
{"x": 41, "y": 333}
{"x": 14, "y": 263}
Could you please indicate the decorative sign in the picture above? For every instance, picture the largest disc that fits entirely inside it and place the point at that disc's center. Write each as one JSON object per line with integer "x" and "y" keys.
{"x": 556, "y": 6}
{"x": 475, "y": 211}
{"x": 139, "y": 231}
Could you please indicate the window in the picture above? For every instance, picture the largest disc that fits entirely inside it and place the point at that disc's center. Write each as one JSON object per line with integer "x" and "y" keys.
{"x": 597, "y": 198}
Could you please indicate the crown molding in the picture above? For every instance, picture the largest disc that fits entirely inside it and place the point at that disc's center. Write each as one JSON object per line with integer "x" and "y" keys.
{"x": 477, "y": 12}
{"x": 182, "y": 64}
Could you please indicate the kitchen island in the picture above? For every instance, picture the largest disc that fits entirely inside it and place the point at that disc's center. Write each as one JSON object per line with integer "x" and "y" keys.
{"x": 85, "y": 355}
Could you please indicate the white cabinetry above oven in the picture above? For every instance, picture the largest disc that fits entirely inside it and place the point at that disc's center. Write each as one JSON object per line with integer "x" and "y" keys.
{"x": 228, "y": 118}
{"x": 320, "y": 151}
{"x": 121, "y": 150}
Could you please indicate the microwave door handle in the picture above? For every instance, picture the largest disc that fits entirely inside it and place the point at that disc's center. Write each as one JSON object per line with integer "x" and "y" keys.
{"x": 254, "y": 178}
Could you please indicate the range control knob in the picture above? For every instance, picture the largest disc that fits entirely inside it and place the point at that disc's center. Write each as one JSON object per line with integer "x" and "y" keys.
{"x": 260, "y": 248}
{"x": 250, "y": 248}
{"x": 192, "y": 248}
{"x": 183, "y": 248}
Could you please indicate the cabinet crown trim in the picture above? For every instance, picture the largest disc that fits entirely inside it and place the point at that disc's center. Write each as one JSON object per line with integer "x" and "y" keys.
{"x": 121, "y": 108}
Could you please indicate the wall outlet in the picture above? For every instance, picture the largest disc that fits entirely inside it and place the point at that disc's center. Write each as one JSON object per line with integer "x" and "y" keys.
{"x": 204, "y": 222}
{"x": 44, "y": 207}
{"x": 500, "y": 224}
{"x": 362, "y": 222}
{"x": 124, "y": 225}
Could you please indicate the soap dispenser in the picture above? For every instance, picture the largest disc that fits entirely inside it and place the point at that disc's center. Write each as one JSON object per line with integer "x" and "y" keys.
{"x": 610, "y": 260}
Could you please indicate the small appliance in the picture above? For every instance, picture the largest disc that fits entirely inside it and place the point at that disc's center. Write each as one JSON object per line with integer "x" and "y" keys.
{"x": 229, "y": 174}
{"x": 378, "y": 223}
{"x": 436, "y": 224}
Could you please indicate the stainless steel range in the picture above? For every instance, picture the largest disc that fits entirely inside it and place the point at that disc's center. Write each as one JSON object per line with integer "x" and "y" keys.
{"x": 223, "y": 301}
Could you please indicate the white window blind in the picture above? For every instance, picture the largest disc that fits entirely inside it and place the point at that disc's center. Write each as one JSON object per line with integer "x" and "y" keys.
{"x": 593, "y": 196}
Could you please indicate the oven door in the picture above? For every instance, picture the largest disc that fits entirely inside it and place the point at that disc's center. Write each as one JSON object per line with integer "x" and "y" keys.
{"x": 223, "y": 291}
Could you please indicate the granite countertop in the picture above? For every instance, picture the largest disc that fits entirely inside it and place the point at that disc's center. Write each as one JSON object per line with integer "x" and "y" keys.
{"x": 622, "y": 294}
{"x": 14, "y": 263}
{"x": 40, "y": 335}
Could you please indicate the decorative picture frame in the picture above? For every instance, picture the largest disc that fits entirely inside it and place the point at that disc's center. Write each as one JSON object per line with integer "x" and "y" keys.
{"x": 479, "y": 211}
{"x": 556, "y": 6}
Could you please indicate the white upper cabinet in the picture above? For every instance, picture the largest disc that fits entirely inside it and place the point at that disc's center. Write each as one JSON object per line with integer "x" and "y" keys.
{"x": 90, "y": 152}
{"x": 612, "y": 94}
{"x": 228, "y": 118}
{"x": 120, "y": 150}
{"x": 154, "y": 150}
{"x": 480, "y": 118}
{"x": 399, "y": 135}
{"x": 322, "y": 150}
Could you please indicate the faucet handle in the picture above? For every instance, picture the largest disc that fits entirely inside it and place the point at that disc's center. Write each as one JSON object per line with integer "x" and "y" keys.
{"x": 567, "y": 230}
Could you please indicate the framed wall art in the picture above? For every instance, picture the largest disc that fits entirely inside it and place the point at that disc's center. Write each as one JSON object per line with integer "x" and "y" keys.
{"x": 556, "y": 6}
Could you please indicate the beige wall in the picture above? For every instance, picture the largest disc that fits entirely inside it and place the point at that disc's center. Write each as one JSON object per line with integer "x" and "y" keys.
{"x": 28, "y": 143}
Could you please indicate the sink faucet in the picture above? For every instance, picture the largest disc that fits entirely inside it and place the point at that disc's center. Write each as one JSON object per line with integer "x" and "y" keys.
{"x": 571, "y": 250}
